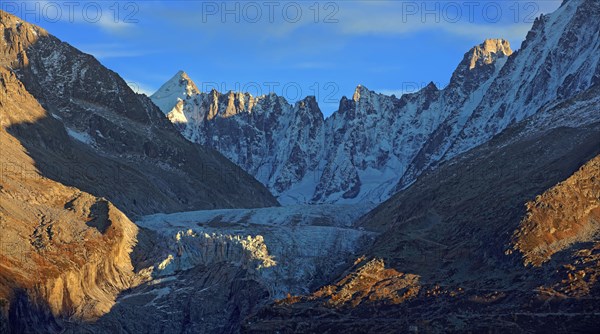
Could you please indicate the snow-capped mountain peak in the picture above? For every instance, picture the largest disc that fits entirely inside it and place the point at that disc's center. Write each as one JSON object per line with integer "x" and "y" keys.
{"x": 356, "y": 95}
{"x": 179, "y": 87}
{"x": 488, "y": 52}
{"x": 480, "y": 63}
{"x": 374, "y": 144}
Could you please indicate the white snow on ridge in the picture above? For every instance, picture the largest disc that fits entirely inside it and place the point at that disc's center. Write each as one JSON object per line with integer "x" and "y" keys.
{"x": 81, "y": 137}
{"x": 376, "y": 145}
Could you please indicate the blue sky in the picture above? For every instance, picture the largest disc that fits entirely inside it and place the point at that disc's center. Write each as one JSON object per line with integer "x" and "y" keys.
{"x": 294, "y": 48}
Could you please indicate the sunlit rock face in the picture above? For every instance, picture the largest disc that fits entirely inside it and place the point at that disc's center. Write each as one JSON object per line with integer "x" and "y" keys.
{"x": 63, "y": 252}
{"x": 564, "y": 215}
{"x": 488, "y": 52}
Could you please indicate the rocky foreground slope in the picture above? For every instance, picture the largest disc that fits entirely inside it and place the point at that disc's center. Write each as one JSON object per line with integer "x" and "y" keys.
{"x": 375, "y": 145}
{"x": 63, "y": 252}
{"x": 79, "y": 150}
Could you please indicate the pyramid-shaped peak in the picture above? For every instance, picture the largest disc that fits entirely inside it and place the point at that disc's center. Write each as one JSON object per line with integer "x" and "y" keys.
{"x": 431, "y": 86}
{"x": 180, "y": 84}
{"x": 184, "y": 80}
{"x": 182, "y": 75}
{"x": 179, "y": 87}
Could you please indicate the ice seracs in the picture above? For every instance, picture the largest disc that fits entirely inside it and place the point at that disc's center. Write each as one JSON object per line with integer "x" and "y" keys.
{"x": 285, "y": 248}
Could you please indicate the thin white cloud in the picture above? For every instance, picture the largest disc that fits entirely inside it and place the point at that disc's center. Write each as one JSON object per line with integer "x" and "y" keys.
{"x": 108, "y": 50}
{"x": 117, "y": 27}
{"x": 104, "y": 15}
{"x": 409, "y": 17}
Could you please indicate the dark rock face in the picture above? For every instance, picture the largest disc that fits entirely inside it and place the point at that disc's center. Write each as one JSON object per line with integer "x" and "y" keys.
{"x": 212, "y": 299}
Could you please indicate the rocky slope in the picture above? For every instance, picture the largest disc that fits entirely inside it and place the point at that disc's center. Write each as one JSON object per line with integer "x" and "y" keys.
{"x": 63, "y": 252}
{"x": 375, "y": 145}
{"x": 551, "y": 226}
{"x": 101, "y": 137}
